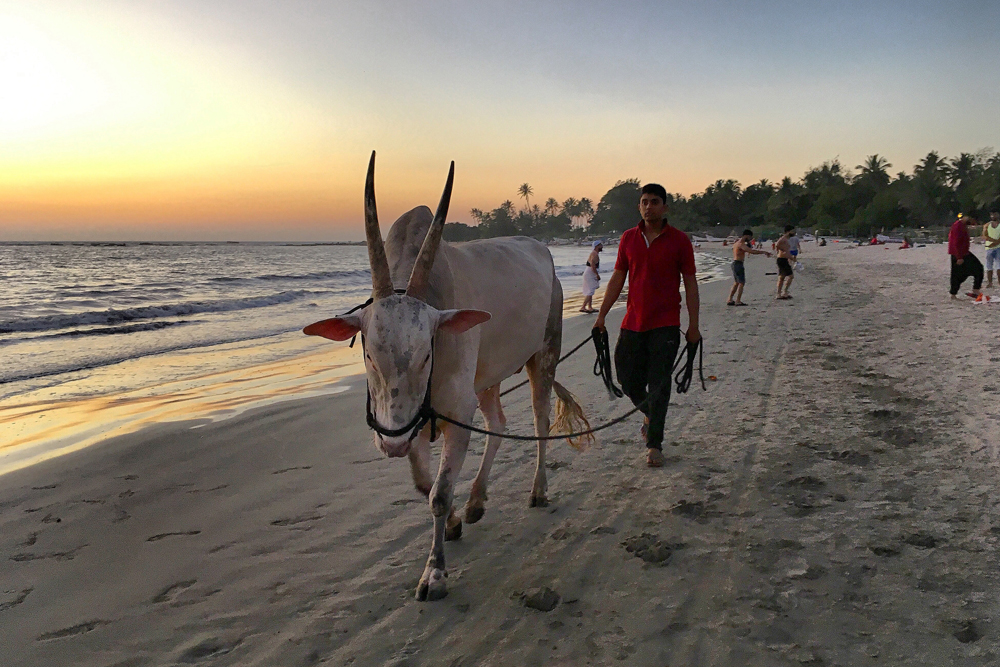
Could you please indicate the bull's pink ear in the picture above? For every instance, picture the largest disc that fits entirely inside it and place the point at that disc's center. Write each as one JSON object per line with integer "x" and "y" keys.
{"x": 457, "y": 321}
{"x": 335, "y": 328}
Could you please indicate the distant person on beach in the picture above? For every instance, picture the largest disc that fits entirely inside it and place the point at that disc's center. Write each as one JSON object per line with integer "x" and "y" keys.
{"x": 740, "y": 249}
{"x": 991, "y": 238}
{"x": 655, "y": 258}
{"x": 963, "y": 262}
{"x": 785, "y": 274}
{"x": 591, "y": 277}
{"x": 793, "y": 246}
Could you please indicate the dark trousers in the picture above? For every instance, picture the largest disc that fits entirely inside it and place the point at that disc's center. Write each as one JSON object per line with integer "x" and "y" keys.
{"x": 644, "y": 361}
{"x": 970, "y": 266}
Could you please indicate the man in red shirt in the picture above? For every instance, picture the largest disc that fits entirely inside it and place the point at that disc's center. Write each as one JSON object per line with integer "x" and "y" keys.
{"x": 654, "y": 257}
{"x": 963, "y": 262}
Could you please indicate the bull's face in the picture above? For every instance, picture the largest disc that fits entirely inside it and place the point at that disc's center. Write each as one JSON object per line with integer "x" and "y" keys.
{"x": 398, "y": 335}
{"x": 398, "y": 329}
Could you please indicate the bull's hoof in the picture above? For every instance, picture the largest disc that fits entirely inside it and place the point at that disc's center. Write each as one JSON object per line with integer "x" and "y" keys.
{"x": 538, "y": 501}
{"x": 474, "y": 513}
{"x": 432, "y": 586}
{"x": 452, "y": 533}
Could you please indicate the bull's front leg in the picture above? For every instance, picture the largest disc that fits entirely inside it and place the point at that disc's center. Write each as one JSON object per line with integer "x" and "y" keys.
{"x": 433, "y": 585}
{"x": 420, "y": 468}
{"x": 420, "y": 462}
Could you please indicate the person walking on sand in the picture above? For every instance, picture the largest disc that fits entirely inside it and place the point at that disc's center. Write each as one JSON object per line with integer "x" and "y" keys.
{"x": 591, "y": 277}
{"x": 785, "y": 274}
{"x": 655, "y": 257}
{"x": 991, "y": 238}
{"x": 794, "y": 242}
{"x": 963, "y": 262}
{"x": 740, "y": 249}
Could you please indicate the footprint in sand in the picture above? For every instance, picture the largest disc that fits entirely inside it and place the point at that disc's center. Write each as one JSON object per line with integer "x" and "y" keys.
{"x": 302, "y": 518}
{"x": 651, "y": 548}
{"x": 170, "y": 592}
{"x": 284, "y": 470}
{"x": 72, "y": 631}
{"x": 180, "y": 533}
{"x": 52, "y": 555}
{"x": 16, "y": 600}
{"x": 921, "y": 540}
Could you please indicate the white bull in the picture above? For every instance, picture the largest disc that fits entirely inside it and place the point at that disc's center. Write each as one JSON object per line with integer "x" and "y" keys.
{"x": 476, "y": 313}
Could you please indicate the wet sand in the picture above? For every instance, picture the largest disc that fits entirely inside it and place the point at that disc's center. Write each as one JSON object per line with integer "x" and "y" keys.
{"x": 829, "y": 501}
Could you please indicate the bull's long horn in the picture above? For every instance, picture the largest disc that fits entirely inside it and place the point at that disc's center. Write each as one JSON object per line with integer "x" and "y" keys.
{"x": 381, "y": 280}
{"x": 417, "y": 286}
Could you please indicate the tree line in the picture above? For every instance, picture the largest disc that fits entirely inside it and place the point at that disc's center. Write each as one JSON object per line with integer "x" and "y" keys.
{"x": 831, "y": 198}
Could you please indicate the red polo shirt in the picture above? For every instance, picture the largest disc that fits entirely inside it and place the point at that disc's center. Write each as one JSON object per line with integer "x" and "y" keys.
{"x": 654, "y": 276}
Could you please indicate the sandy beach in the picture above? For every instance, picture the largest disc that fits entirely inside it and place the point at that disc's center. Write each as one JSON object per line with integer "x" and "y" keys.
{"x": 828, "y": 501}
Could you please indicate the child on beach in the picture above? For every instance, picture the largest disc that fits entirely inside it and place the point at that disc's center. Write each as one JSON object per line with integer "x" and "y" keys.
{"x": 740, "y": 249}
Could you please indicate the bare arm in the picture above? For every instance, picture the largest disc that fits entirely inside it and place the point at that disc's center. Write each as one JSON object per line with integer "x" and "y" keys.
{"x": 693, "y": 306}
{"x": 611, "y": 294}
{"x": 757, "y": 252}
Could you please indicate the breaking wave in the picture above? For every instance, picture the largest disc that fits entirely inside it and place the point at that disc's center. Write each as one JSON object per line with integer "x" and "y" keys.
{"x": 114, "y": 316}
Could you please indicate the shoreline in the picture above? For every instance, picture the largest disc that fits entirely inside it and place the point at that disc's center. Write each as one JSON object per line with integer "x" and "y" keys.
{"x": 35, "y": 427}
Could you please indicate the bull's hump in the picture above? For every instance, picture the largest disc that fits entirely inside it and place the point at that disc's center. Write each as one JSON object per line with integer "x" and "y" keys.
{"x": 403, "y": 242}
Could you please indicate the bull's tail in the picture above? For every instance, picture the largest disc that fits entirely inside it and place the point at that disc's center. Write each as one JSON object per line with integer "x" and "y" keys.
{"x": 570, "y": 418}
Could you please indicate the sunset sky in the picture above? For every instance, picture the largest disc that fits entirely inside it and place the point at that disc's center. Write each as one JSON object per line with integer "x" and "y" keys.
{"x": 253, "y": 120}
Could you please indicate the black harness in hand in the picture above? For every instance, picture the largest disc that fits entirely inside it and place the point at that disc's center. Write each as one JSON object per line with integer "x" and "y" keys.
{"x": 684, "y": 375}
{"x": 602, "y": 365}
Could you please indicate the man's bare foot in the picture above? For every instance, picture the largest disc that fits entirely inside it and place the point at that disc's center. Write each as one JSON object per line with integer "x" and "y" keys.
{"x": 654, "y": 458}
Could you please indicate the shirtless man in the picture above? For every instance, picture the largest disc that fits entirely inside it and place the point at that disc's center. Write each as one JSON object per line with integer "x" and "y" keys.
{"x": 740, "y": 249}
{"x": 991, "y": 239}
{"x": 785, "y": 274}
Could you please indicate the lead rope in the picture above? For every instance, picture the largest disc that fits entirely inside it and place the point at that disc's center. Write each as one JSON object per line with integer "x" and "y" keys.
{"x": 682, "y": 378}
{"x": 602, "y": 368}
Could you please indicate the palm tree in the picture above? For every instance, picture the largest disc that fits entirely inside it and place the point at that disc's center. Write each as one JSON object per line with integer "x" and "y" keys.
{"x": 585, "y": 209}
{"x": 963, "y": 169}
{"x": 932, "y": 169}
{"x": 525, "y": 191}
{"x": 875, "y": 170}
{"x": 551, "y": 206}
{"x": 569, "y": 207}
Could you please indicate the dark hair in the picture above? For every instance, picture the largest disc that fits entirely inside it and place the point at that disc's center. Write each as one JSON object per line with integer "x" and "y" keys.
{"x": 789, "y": 228}
{"x": 747, "y": 232}
{"x": 655, "y": 189}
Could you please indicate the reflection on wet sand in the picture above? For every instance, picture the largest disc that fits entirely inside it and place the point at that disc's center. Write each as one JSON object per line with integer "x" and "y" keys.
{"x": 39, "y": 427}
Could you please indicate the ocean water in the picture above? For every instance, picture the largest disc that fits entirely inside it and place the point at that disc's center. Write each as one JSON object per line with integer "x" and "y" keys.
{"x": 98, "y": 340}
{"x": 69, "y": 309}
